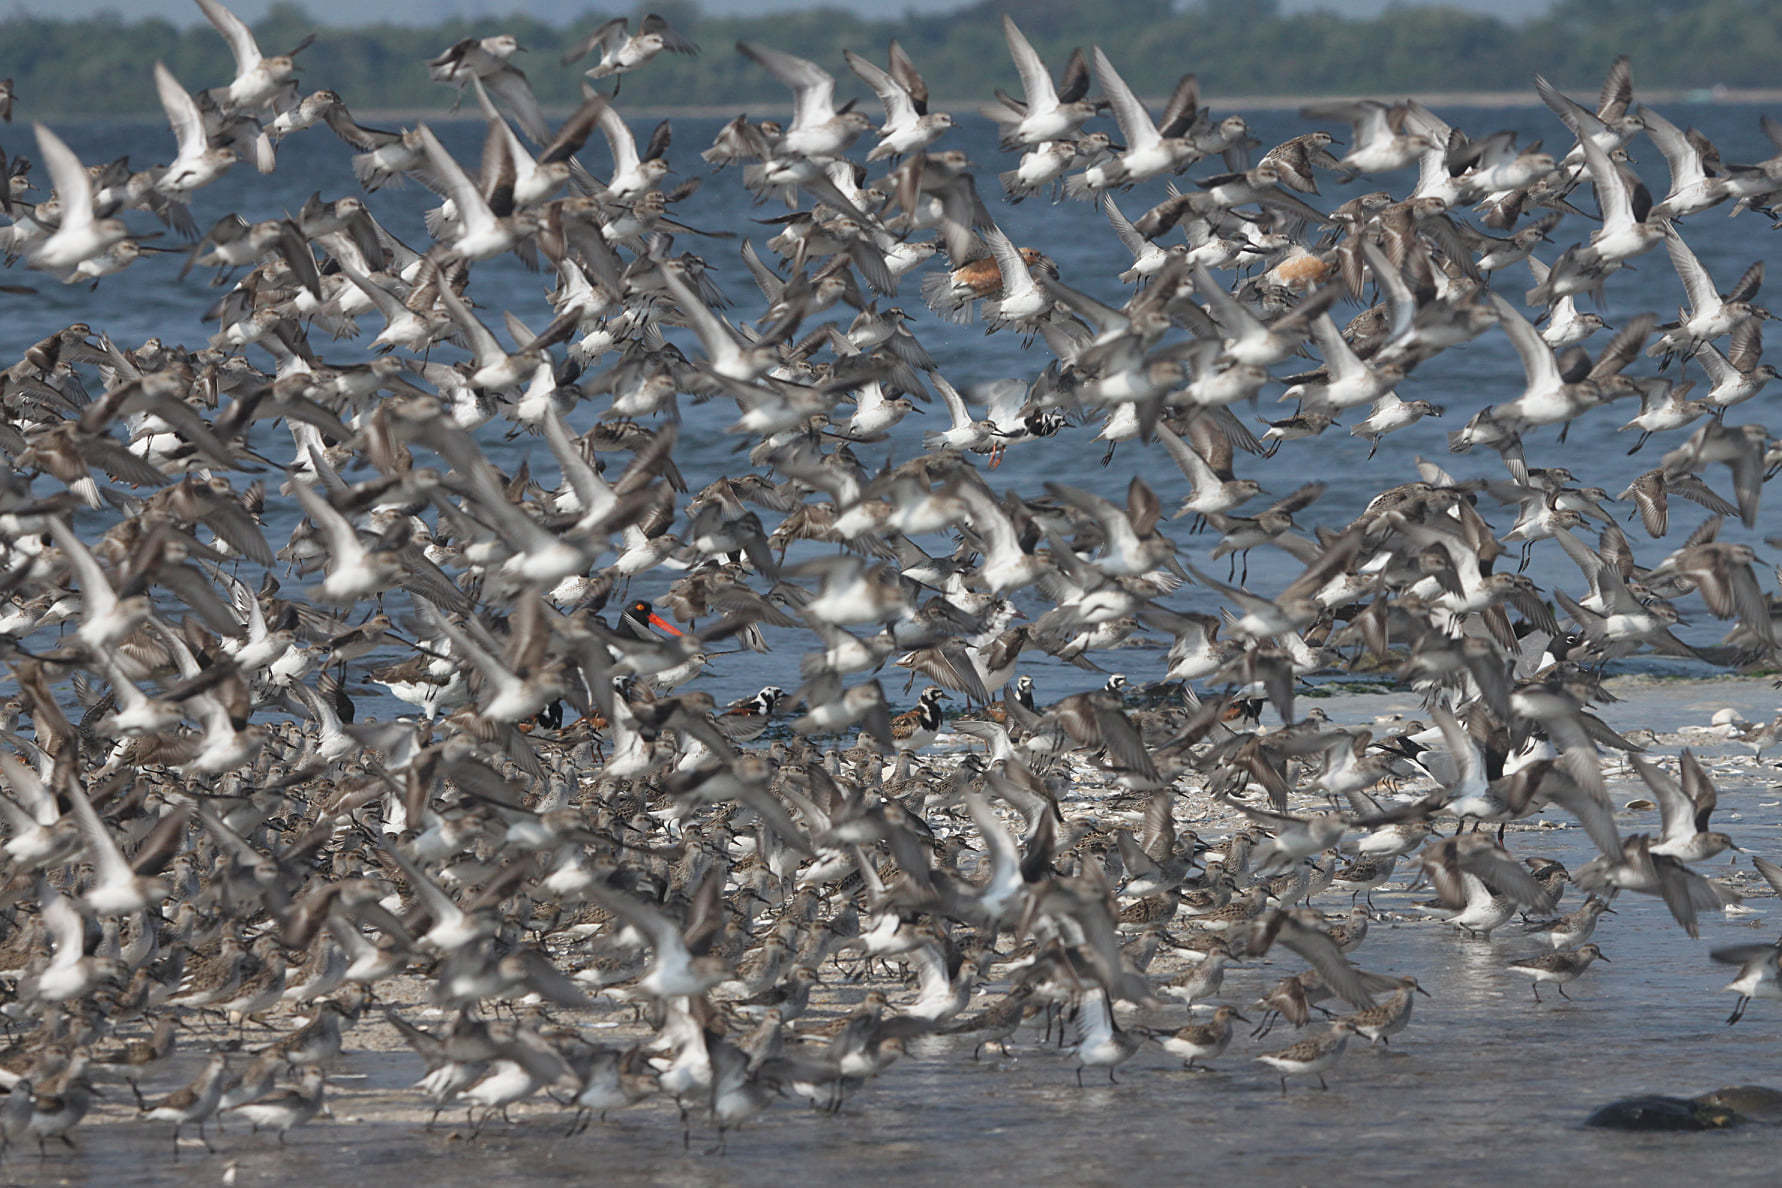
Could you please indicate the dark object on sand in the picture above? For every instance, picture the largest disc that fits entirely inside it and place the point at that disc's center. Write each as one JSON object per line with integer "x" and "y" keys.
{"x": 1710, "y": 1111}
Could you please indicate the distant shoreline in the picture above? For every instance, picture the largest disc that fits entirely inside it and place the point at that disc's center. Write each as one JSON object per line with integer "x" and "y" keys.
{"x": 1718, "y": 96}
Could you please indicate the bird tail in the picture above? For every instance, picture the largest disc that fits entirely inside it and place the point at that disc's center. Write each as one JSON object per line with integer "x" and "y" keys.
{"x": 939, "y": 293}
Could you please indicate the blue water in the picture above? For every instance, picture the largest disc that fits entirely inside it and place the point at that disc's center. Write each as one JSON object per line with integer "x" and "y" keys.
{"x": 152, "y": 300}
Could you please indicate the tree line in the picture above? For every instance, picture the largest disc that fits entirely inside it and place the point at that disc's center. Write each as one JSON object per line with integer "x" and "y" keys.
{"x": 100, "y": 65}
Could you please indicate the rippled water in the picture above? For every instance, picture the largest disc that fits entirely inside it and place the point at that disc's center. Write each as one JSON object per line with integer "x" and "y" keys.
{"x": 151, "y": 299}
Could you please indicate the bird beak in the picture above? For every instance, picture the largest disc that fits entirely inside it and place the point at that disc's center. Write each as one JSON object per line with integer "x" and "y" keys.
{"x": 1421, "y": 991}
{"x": 1603, "y": 957}
{"x": 658, "y": 621}
{"x": 1235, "y": 1015}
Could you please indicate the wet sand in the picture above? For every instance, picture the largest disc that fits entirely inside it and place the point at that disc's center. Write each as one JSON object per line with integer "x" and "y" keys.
{"x": 1483, "y": 1086}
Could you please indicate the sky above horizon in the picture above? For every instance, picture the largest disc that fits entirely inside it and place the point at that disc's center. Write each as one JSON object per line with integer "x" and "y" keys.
{"x": 349, "y": 12}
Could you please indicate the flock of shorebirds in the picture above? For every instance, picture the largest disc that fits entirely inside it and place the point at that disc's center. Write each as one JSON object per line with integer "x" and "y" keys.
{"x": 208, "y": 848}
